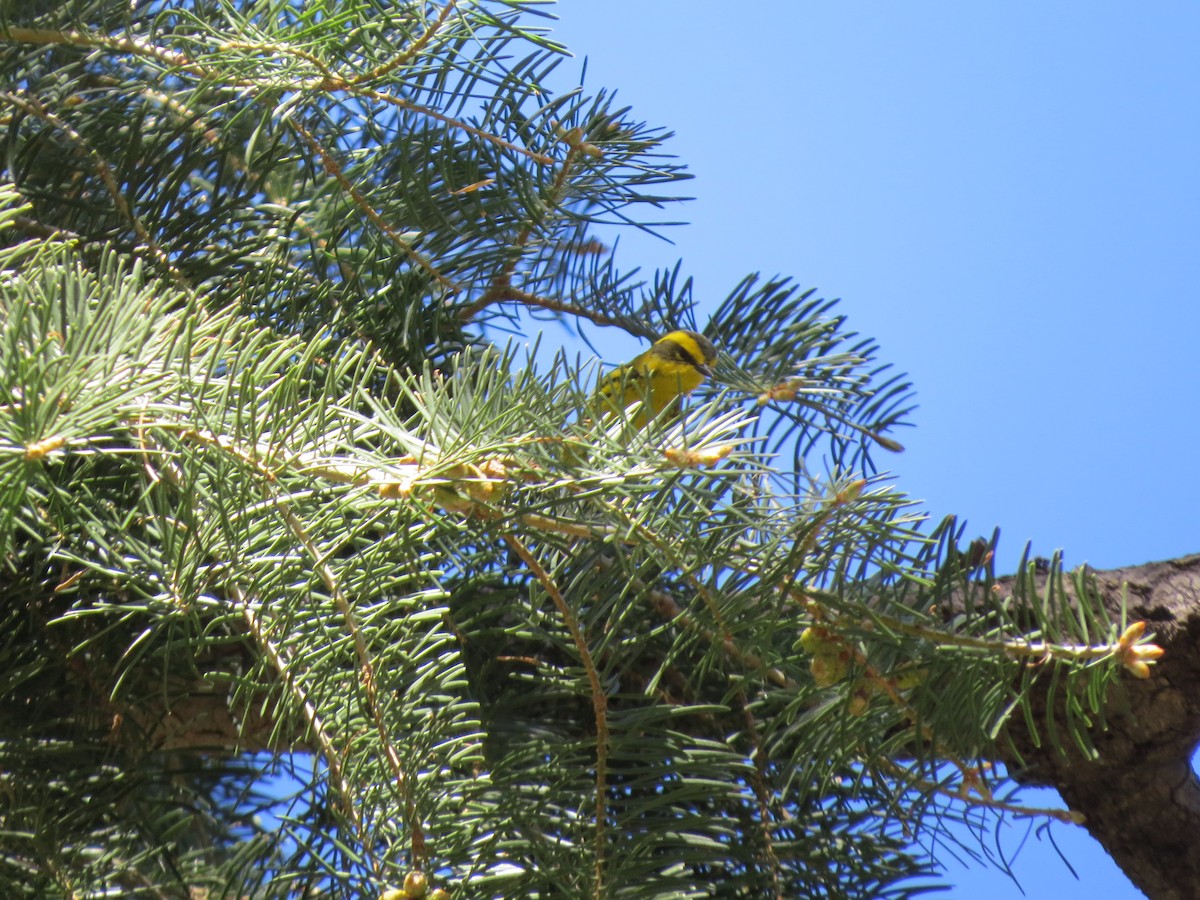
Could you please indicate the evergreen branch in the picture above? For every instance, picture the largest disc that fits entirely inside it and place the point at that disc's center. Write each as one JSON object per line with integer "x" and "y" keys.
{"x": 135, "y": 45}
{"x": 1126, "y": 649}
{"x": 1036, "y": 651}
{"x": 759, "y": 782}
{"x": 969, "y": 793}
{"x": 332, "y": 168}
{"x": 668, "y": 607}
{"x": 277, "y": 657}
{"x": 599, "y": 700}
{"x": 327, "y": 83}
{"x": 886, "y": 443}
{"x": 502, "y": 285}
{"x": 367, "y": 674}
{"x": 456, "y": 124}
{"x": 284, "y": 667}
{"x": 410, "y": 52}
{"x": 105, "y": 172}
{"x": 500, "y": 292}
{"x": 209, "y": 132}
{"x": 469, "y": 487}
{"x": 327, "y": 75}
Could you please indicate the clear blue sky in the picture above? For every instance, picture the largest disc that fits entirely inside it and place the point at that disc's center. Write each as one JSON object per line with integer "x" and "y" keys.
{"x": 1007, "y": 196}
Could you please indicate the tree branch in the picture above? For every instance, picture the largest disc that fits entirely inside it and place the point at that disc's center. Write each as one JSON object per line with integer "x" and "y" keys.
{"x": 1140, "y": 795}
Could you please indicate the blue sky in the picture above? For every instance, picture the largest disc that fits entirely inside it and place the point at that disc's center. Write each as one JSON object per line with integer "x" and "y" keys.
{"x": 1006, "y": 196}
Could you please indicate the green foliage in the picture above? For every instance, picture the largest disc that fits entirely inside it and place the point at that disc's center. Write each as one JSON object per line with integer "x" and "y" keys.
{"x": 307, "y": 586}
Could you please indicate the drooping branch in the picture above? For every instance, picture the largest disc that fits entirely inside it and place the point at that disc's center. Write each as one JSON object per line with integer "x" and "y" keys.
{"x": 1140, "y": 797}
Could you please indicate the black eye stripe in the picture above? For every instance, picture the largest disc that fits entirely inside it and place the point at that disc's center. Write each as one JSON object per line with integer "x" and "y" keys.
{"x": 682, "y": 354}
{"x": 690, "y": 349}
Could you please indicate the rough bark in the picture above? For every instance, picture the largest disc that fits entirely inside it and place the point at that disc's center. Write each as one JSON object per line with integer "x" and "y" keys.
{"x": 1141, "y": 797}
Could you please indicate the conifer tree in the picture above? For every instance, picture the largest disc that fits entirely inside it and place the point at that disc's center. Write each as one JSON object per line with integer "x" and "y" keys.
{"x": 316, "y": 586}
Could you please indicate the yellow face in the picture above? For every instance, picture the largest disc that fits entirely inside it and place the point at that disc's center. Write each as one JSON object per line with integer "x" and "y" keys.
{"x": 688, "y": 349}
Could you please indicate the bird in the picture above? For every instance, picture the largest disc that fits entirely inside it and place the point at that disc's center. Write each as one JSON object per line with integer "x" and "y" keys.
{"x": 674, "y": 366}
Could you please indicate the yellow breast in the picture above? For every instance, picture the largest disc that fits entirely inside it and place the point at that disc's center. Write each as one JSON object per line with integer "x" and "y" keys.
{"x": 675, "y": 366}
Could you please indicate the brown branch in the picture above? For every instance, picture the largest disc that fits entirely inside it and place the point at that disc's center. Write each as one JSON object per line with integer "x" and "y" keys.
{"x": 599, "y": 700}
{"x": 501, "y": 293}
{"x": 412, "y": 50}
{"x": 100, "y": 165}
{"x": 333, "y": 169}
{"x": 1139, "y": 794}
{"x": 502, "y": 285}
{"x": 759, "y": 782}
{"x": 133, "y": 45}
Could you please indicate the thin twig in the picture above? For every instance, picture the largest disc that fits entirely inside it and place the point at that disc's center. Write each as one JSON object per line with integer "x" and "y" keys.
{"x": 457, "y": 124}
{"x": 599, "y": 699}
{"x": 1033, "y": 650}
{"x": 335, "y": 170}
{"x": 328, "y": 82}
{"x": 759, "y": 779}
{"x": 32, "y": 106}
{"x": 502, "y": 286}
{"x": 409, "y": 52}
{"x": 1067, "y": 816}
{"x": 501, "y": 293}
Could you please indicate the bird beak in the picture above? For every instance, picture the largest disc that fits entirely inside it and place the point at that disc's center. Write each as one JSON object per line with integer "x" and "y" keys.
{"x": 704, "y": 370}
